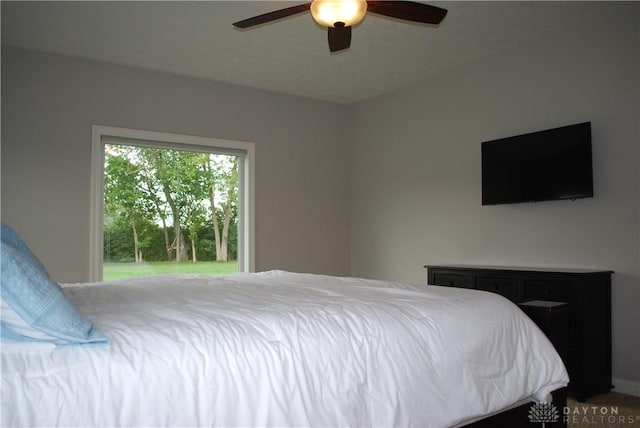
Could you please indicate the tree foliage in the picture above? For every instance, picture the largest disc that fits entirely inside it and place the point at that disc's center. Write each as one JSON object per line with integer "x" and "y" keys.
{"x": 171, "y": 205}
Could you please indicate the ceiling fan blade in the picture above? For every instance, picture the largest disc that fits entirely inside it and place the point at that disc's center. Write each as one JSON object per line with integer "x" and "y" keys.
{"x": 408, "y": 11}
{"x": 339, "y": 38}
{"x": 272, "y": 16}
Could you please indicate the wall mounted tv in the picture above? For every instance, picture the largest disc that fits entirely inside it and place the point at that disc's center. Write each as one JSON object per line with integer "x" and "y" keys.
{"x": 541, "y": 166}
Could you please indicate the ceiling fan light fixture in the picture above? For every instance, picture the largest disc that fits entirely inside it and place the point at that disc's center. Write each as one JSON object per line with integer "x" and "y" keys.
{"x": 329, "y": 12}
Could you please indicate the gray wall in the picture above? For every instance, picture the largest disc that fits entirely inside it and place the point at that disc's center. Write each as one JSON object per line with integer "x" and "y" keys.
{"x": 415, "y": 170}
{"x": 50, "y": 102}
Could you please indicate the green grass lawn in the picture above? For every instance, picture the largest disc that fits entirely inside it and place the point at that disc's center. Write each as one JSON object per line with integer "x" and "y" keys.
{"x": 128, "y": 270}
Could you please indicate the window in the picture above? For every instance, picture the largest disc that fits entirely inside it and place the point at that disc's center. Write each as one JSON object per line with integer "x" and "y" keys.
{"x": 166, "y": 202}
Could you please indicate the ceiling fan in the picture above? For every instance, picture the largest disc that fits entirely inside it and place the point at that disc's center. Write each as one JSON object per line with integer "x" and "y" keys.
{"x": 340, "y": 15}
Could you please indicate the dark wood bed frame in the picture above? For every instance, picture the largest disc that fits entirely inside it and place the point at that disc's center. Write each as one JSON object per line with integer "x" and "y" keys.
{"x": 519, "y": 416}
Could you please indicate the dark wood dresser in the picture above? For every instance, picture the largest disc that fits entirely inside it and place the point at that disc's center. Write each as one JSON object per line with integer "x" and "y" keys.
{"x": 572, "y": 306}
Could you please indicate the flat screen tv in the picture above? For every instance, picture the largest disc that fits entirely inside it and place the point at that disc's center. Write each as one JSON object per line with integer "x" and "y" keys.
{"x": 541, "y": 166}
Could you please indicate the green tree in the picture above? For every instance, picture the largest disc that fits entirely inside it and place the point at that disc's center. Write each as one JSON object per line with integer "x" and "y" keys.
{"x": 166, "y": 166}
{"x": 182, "y": 201}
{"x": 222, "y": 172}
{"x": 124, "y": 197}
{"x": 194, "y": 193}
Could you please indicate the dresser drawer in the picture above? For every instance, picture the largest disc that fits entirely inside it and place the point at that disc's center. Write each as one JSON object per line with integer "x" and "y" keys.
{"x": 554, "y": 290}
{"x": 507, "y": 287}
{"x": 449, "y": 279}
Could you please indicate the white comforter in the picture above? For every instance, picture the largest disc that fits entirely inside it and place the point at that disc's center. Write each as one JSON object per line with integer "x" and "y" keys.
{"x": 282, "y": 349}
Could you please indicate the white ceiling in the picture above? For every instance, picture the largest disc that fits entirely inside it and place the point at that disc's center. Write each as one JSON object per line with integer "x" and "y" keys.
{"x": 290, "y": 56}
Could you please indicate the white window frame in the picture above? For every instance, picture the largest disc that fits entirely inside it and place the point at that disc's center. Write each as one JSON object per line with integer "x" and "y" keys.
{"x": 246, "y": 196}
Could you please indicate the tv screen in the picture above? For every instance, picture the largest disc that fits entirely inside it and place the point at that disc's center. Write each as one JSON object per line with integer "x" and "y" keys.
{"x": 540, "y": 166}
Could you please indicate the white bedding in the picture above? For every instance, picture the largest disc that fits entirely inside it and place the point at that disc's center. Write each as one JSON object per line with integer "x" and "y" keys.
{"x": 282, "y": 349}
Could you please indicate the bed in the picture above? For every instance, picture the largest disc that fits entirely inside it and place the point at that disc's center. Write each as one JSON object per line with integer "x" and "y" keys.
{"x": 278, "y": 349}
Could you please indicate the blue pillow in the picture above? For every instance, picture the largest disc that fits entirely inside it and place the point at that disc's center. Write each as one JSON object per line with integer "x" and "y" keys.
{"x": 45, "y": 314}
{"x": 9, "y": 236}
